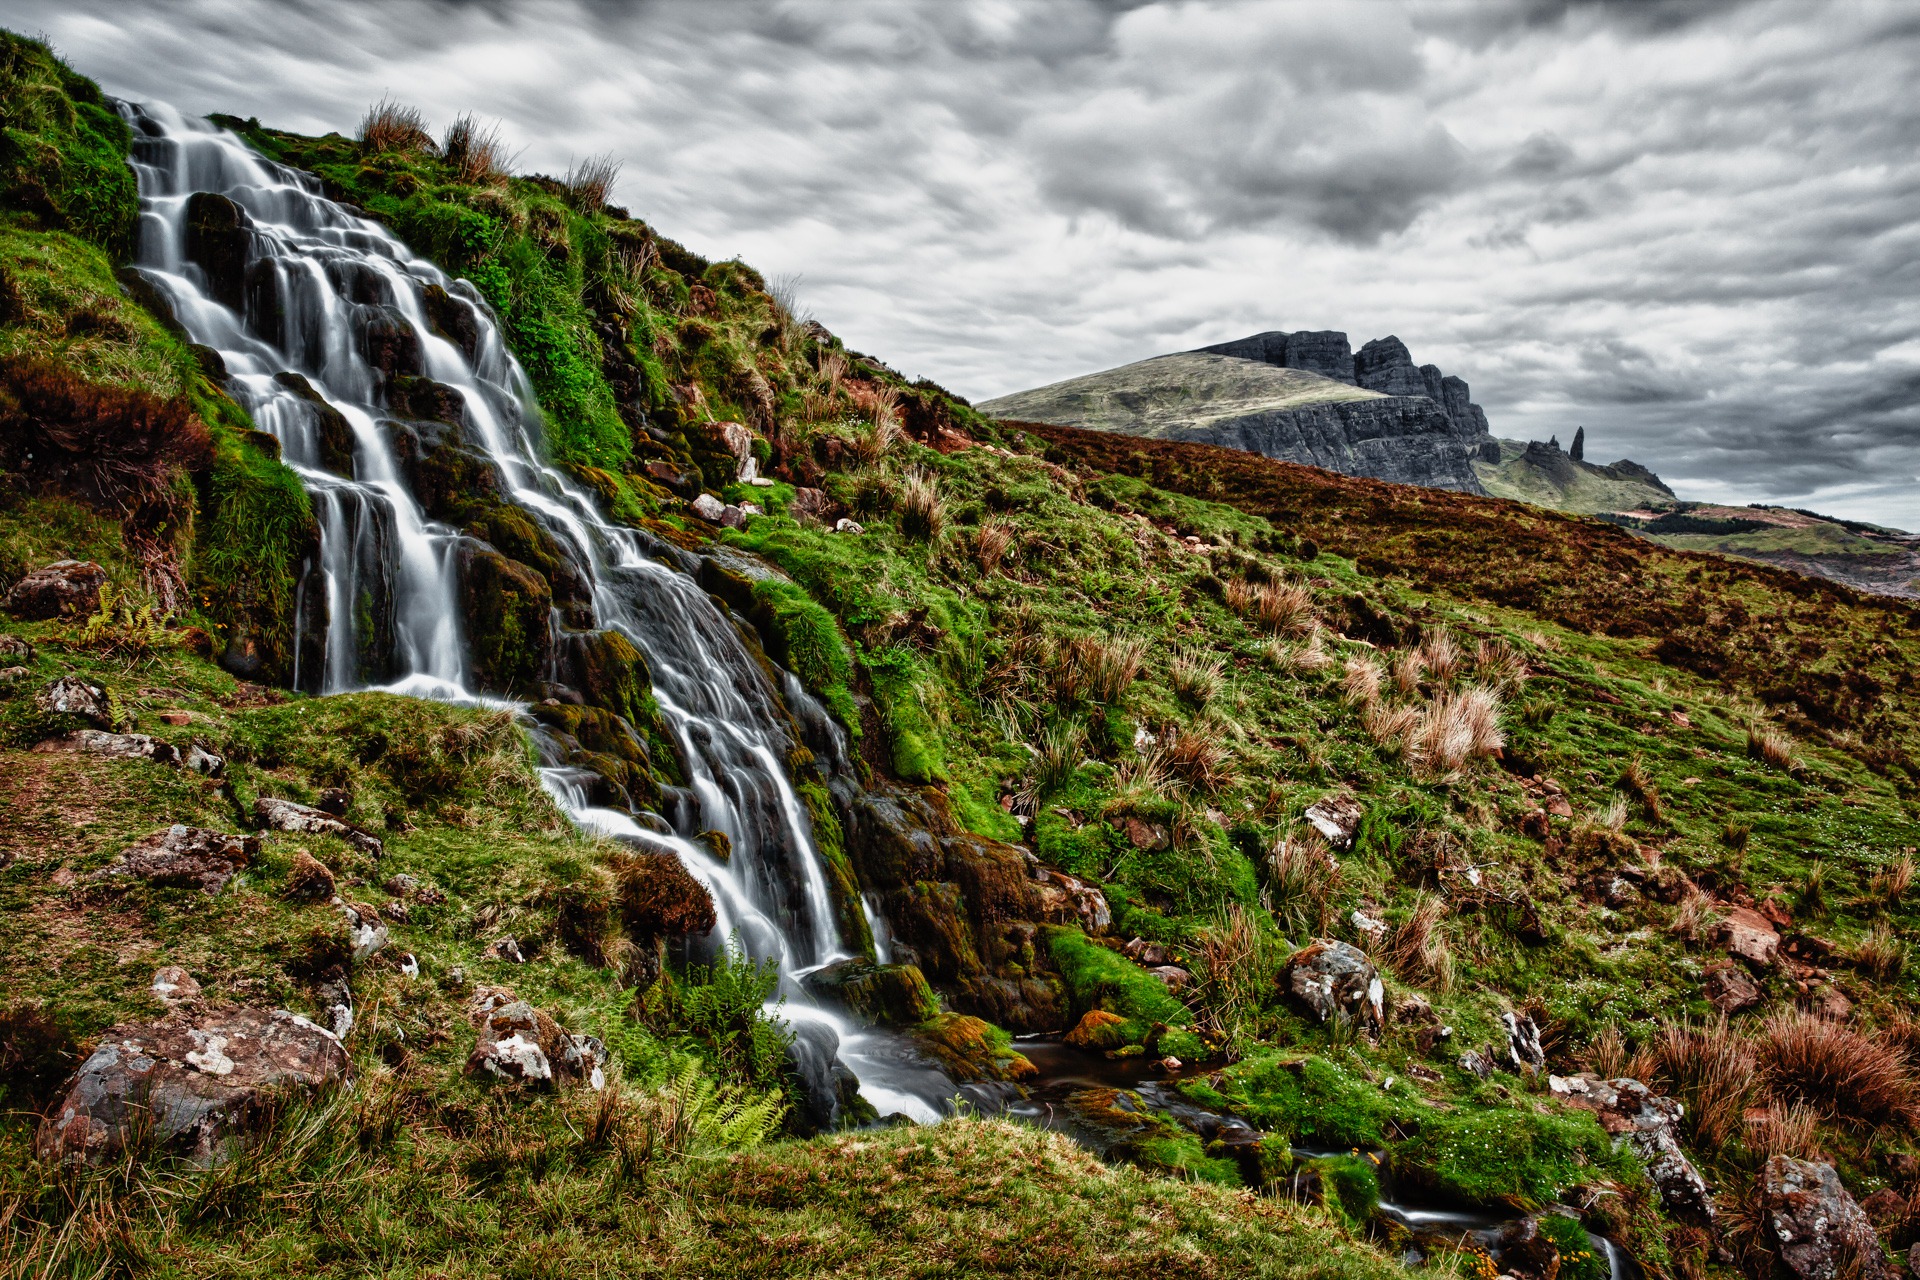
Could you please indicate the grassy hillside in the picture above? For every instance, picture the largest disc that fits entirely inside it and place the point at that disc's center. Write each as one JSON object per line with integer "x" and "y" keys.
{"x": 1581, "y": 488}
{"x": 1574, "y": 752}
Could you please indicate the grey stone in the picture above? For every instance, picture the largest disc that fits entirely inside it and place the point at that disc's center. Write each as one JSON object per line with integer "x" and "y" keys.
{"x": 1335, "y": 817}
{"x": 1473, "y": 1062}
{"x": 709, "y": 508}
{"x": 192, "y": 857}
{"x": 521, "y": 1044}
{"x": 1066, "y": 899}
{"x": 1523, "y": 1041}
{"x": 1384, "y": 365}
{"x": 1817, "y": 1230}
{"x": 205, "y": 1083}
{"x": 286, "y": 815}
{"x": 72, "y": 696}
{"x": 173, "y": 985}
{"x": 1334, "y": 979}
{"x": 1648, "y": 1124}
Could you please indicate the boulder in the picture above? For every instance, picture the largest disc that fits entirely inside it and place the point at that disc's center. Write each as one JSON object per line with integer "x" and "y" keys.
{"x": 1098, "y": 1029}
{"x": 63, "y": 589}
{"x": 973, "y": 1049}
{"x": 1527, "y": 1252}
{"x": 1336, "y": 817}
{"x": 203, "y": 1082}
{"x": 192, "y": 857}
{"x": 809, "y": 504}
{"x": 519, "y": 1043}
{"x": 1635, "y": 1117}
{"x": 1173, "y": 977}
{"x": 1816, "y": 1229}
{"x": 890, "y": 994}
{"x": 285, "y": 815}
{"x": 72, "y": 696}
{"x": 308, "y": 879}
{"x": 1473, "y": 1062}
{"x": 1730, "y": 990}
{"x": 829, "y": 1091}
{"x": 1066, "y": 899}
{"x": 1750, "y": 936}
{"x": 217, "y": 242}
{"x": 1332, "y": 978}
{"x": 709, "y": 508}
{"x": 137, "y": 746}
{"x": 15, "y": 649}
{"x": 1523, "y": 1041}
{"x": 366, "y": 933}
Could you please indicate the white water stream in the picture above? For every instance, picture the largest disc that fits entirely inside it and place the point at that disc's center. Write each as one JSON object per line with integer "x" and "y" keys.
{"x": 320, "y": 285}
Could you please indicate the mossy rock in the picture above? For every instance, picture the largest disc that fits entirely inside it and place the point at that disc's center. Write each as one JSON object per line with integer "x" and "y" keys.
{"x": 894, "y": 995}
{"x": 453, "y": 483}
{"x": 610, "y": 673}
{"x": 973, "y": 1048}
{"x": 334, "y": 431}
{"x": 506, "y": 606}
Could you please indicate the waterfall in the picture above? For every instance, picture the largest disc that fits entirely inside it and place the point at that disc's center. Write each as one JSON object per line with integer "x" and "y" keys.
{"x": 295, "y": 319}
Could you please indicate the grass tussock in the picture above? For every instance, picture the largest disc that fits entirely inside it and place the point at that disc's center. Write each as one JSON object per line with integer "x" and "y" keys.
{"x": 1302, "y": 878}
{"x": 393, "y": 128}
{"x": 1196, "y": 677}
{"x": 475, "y": 152}
{"x": 1099, "y": 668}
{"x": 1418, "y": 949}
{"x": 1711, "y": 1068}
{"x": 1881, "y": 954}
{"x": 589, "y": 182}
{"x": 1361, "y": 681}
{"x": 1852, "y": 1078}
{"x": 1285, "y": 608}
{"x": 1772, "y": 748}
{"x": 921, "y": 510}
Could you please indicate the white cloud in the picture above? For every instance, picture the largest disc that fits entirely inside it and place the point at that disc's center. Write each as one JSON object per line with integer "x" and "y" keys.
{"x": 1693, "y": 229}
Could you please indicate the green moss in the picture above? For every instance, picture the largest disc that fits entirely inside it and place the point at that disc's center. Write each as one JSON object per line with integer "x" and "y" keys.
{"x": 1311, "y": 1100}
{"x": 1579, "y": 1258}
{"x": 803, "y": 637}
{"x": 1350, "y": 1186}
{"x": 62, "y": 149}
{"x": 1097, "y": 978}
{"x": 1509, "y": 1155}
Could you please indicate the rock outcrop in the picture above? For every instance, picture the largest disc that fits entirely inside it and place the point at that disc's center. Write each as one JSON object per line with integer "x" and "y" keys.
{"x": 520, "y": 1044}
{"x": 1636, "y": 1118}
{"x": 203, "y": 1083}
{"x": 65, "y": 588}
{"x": 1814, "y": 1225}
{"x": 191, "y": 857}
{"x": 1335, "y": 979}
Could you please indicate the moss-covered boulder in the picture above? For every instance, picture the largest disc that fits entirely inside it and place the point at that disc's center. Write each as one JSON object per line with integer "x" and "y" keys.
{"x": 889, "y": 994}
{"x": 973, "y": 1049}
{"x": 505, "y": 606}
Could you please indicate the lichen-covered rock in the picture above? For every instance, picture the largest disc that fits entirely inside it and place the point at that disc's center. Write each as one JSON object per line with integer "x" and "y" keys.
{"x": 287, "y": 815}
{"x": 1523, "y": 1041}
{"x": 1065, "y": 899}
{"x": 173, "y": 985}
{"x": 192, "y": 857}
{"x": 1648, "y": 1124}
{"x": 1335, "y": 817}
{"x": 203, "y": 1082}
{"x": 367, "y": 935}
{"x": 519, "y": 1043}
{"x": 136, "y": 746}
{"x": 72, "y": 696}
{"x": 63, "y": 589}
{"x": 1816, "y": 1229}
{"x": 889, "y": 994}
{"x": 1332, "y": 978}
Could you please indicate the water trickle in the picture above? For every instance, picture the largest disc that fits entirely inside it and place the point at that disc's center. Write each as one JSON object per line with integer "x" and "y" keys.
{"x": 322, "y": 322}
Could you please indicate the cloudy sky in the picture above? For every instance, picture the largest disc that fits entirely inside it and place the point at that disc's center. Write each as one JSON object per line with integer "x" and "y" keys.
{"x": 1693, "y": 228}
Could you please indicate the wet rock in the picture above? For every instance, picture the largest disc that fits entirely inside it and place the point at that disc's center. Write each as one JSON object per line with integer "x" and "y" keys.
{"x": 1525, "y": 1251}
{"x": 519, "y": 1043}
{"x": 452, "y": 319}
{"x": 890, "y": 994}
{"x": 217, "y": 241}
{"x": 1173, "y": 977}
{"x": 63, "y": 589}
{"x": 1750, "y": 936}
{"x": 1332, "y": 978}
{"x": 203, "y": 1082}
{"x": 1335, "y": 817}
{"x": 829, "y": 1093}
{"x": 1098, "y": 1029}
{"x": 173, "y": 985}
{"x": 973, "y": 1049}
{"x": 1729, "y": 990}
{"x": 191, "y": 857}
{"x": 331, "y": 430}
{"x": 1523, "y": 1041}
{"x": 1635, "y": 1117}
{"x": 1817, "y": 1230}
{"x": 1473, "y": 1062}
{"x": 1066, "y": 899}
{"x": 507, "y": 607}
{"x": 72, "y": 696}
{"x": 286, "y": 815}
{"x": 389, "y": 343}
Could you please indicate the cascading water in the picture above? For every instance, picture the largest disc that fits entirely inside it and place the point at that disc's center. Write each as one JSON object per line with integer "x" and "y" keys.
{"x": 294, "y": 318}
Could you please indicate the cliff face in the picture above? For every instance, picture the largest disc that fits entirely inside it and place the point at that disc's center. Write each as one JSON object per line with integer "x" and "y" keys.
{"x": 1300, "y": 397}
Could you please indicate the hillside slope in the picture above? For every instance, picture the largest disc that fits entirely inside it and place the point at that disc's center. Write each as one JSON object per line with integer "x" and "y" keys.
{"x": 1156, "y": 744}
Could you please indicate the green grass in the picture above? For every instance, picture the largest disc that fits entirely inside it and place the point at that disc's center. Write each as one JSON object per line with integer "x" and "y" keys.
{"x": 62, "y": 149}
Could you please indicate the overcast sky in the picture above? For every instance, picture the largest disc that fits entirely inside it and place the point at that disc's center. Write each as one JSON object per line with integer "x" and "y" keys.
{"x": 1693, "y": 228}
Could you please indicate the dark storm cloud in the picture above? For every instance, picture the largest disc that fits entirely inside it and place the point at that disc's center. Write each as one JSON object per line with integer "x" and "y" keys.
{"x": 1692, "y": 227}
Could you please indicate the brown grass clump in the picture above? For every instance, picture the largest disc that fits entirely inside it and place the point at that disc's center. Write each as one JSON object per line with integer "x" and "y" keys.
{"x": 1197, "y": 677}
{"x": 1500, "y": 665}
{"x": 1362, "y": 681}
{"x": 1302, "y": 879}
{"x": 1854, "y": 1079}
{"x": 1309, "y": 658}
{"x": 875, "y": 439}
{"x": 922, "y": 512}
{"x": 589, "y": 182}
{"x": 1417, "y": 949}
{"x": 1392, "y": 727}
{"x": 1881, "y": 955}
{"x": 1408, "y": 666}
{"x": 1457, "y": 727}
{"x": 991, "y": 543}
{"x": 390, "y": 128}
{"x": 475, "y": 152}
{"x": 1771, "y": 747}
{"x": 1198, "y": 758}
{"x": 1235, "y": 965}
{"x": 1441, "y": 656}
{"x": 1637, "y": 782}
{"x": 1099, "y": 667}
{"x": 1890, "y": 883}
{"x": 1281, "y": 607}
{"x": 1710, "y": 1069}
{"x": 1608, "y": 1056}
{"x": 1792, "y": 1129}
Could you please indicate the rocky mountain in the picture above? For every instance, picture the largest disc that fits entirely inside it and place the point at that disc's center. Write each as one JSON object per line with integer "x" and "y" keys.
{"x": 1543, "y": 473}
{"x": 1300, "y": 397}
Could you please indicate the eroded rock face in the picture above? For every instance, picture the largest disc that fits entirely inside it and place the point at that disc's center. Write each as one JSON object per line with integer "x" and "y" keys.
{"x": 522, "y": 1044}
{"x": 1523, "y": 1041}
{"x": 1332, "y": 978}
{"x": 202, "y": 1082}
{"x": 192, "y": 857}
{"x": 1631, "y": 1112}
{"x": 285, "y": 815}
{"x": 1814, "y": 1225}
{"x": 1750, "y": 936}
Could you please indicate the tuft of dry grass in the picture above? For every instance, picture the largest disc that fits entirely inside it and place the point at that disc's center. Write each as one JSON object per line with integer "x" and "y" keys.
{"x": 1308, "y": 659}
{"x": 1055, "y": 760}
{"x": 992, "y": 541}
{"x": 1392, "y": 727}
{"x": 1408, "y": 666}
{"x": 1500, "y": 665}
{"x": 1198, "y": 758}
{"x": 589, "y": 182}
{"x": 1285, "y": 608}
{"x": 1302, "y": 879}
{"x": 1456, "y": 727}
{"x": 1235, "y": 963}
{"x": 1792, "y": 1129}
{"x": 1711, "y": 1069}
{"x": 1637, "y": 782}
{"x": 1099, "y": 667}
{"x": 922, "y": 512}
{"x": 475, "y": 152}
{"x": 1771, "y": 747}
{"x": 1417, "y": 948}
{"x": 1890, "y": 883}
{"x": 1441, "y": 656}
{"x": 1196, "y": 676}
{"x": 1856, "y": 1080}
{"x": 1608, "y": 1056}
{"x": 1361, "y": 683}
{"x": 1881, "y": 955}
{"x": 391, "y": 128}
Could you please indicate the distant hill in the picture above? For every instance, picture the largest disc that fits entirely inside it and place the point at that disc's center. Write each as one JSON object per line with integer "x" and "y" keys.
{"x": 1547, "y": 476}
{"x": 1866, "y": 557}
